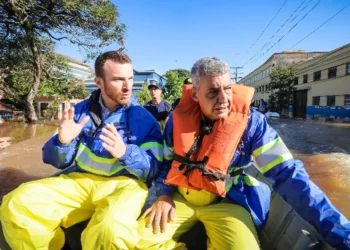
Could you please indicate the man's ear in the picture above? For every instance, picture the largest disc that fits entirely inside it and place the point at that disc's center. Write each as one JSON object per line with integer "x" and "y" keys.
{"x": 194, "y": 94}
{"x": 99, "y": 81}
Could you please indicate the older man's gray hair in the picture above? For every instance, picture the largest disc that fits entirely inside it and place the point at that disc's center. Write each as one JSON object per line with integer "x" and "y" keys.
{"x": 208, "y": 66}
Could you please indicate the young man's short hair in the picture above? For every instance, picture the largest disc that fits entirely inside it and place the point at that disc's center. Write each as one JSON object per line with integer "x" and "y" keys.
{"x": 115, "y": 56}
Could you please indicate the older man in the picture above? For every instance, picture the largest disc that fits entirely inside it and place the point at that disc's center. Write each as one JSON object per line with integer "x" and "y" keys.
{"x": 113, "y": 146}
{"x": 209, "y": 139}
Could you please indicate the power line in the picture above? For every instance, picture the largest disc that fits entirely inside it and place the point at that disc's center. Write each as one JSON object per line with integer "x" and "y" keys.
{"x": 263, "y": 31}
{"x": 322, "y": 58}
{"x": 325, "y": 64}
{"x": 236, "y": 73}
{"x": 281, "y": 27}
{"x": 321, "y": 25}
{"x": 290, "y": 30}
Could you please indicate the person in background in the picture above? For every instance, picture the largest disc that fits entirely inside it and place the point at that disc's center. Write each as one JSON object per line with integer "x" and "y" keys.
{"x": 159, "y": 108}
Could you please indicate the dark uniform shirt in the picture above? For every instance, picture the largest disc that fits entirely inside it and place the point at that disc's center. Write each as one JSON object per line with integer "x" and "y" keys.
{"x": 159, "y": 111}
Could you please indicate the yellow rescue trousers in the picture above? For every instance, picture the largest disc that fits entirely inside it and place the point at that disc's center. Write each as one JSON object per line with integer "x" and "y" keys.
{"x": 32, "y": 215}
{"x": 228, "y": 226}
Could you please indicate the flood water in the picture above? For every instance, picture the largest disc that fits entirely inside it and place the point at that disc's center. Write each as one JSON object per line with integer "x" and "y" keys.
{"x": 324, "y": 149}
{"x": 16, "y": 132}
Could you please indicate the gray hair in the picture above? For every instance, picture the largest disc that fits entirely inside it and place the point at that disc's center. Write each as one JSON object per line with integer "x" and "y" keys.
{"x": 208, "y": 66}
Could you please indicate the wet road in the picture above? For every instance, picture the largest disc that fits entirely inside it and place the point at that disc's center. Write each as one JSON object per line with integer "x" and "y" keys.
{"x": 325, "y": 150}
{"x": 21, "y": 162}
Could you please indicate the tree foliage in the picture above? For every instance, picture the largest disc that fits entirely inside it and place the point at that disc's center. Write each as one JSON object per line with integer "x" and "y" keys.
{"x": 173, "y": 87}
{"x": 282, "y": 85}
{"x": 29, "y": 30}
{"x": 143, "y": 96}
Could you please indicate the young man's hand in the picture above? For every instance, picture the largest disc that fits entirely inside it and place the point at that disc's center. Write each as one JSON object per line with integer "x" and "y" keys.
{"x": 112, "y": 141}
{"x": 68, "y": 128}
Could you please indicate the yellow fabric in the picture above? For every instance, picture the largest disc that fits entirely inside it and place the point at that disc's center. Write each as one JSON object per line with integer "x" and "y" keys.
{"x": 33, "y": 214}
{"x": 228, "y": 226}
{"x": 198, "y": 198}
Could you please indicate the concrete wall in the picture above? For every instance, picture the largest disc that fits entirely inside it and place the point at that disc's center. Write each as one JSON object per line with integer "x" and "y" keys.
{"x": 259, "y": 78}
{"x": 47, "y": 100}
{"x": 338, "y": 86}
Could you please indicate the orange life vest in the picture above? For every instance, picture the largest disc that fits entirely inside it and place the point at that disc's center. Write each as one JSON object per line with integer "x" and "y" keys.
{"x": 206, "y": 167}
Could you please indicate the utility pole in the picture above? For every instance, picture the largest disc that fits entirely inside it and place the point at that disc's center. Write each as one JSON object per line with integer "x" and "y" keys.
{"x": 235, "y": 73}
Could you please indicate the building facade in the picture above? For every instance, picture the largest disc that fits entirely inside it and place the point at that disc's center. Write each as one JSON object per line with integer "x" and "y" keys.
{"x": 140, "y": 77}
{"x": 79, "y": 70}
{"x": 259, "y": 78}
{"x": 323, "y": 89}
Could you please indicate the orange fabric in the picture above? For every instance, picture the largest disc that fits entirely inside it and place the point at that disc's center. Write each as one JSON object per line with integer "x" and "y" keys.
{"x": 220, "y": 145}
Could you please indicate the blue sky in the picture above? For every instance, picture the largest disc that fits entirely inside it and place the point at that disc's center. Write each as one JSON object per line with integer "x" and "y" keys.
{"x": 168, "y": 34}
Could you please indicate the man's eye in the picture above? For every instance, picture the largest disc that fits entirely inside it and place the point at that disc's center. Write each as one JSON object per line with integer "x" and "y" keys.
{"x": 212, "y": 93}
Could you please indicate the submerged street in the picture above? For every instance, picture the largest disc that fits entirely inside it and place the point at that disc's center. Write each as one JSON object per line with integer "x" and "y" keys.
{"x": 324, "y": 149}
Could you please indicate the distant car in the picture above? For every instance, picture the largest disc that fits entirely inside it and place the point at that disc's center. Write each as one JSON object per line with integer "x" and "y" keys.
{"x": 272, "y": 115}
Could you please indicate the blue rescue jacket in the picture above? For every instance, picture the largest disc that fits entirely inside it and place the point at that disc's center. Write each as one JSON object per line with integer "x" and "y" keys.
{"x": 139, "y": 130}
{"x": 287, "y": 176}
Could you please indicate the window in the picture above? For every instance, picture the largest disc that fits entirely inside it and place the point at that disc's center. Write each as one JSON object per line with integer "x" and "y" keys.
{"x": 305, "y": 78}
{"x": 296, "y": 81}
{"x": 332, "y": 72}
{"x": 43, "y": 106}
{"x": 316, "y": 100}
{"x": 348, "y": 69}
{"x": 347, "y": 100}
{"x": 317, "y": 76}
{"x": 331, "y": 100}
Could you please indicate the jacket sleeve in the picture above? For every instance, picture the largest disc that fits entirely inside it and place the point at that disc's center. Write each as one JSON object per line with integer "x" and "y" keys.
{"x": 168, "y": 155}
{"x": 57, "y": 154}
{"x": 143, "y": 160}
{"x": 290, "y": 180}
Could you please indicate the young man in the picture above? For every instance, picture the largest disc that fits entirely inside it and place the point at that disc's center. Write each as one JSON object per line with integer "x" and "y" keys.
{"x": 209, "y": 139}
{"x": 114, "y": 146}
{"x": 157, "y": 107}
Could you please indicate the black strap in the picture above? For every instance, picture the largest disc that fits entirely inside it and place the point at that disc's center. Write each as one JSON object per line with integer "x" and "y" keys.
{"x": 205, "y": 129}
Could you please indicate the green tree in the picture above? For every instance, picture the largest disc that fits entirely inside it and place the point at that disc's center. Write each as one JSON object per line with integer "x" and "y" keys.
{"x": 143, "y": 96}
{"x": 173, "y": 87}
{"x": 282, "y": 86}
{"x": 30, "y": 29}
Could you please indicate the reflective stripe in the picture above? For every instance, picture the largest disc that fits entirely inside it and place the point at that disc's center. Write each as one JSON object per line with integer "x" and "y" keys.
{"x": 250, "y": 181}
{"x": 89, "y": 162}
{"x": 270, "y": 155}
{"x": 237, "y": 168}
{"x": 168, "y": 152}
{"x": 232, "y": 181}
{"x": 94, "y": 157}
{"x": 266, "y": 147}
{"x": 247, "y": 180}
{"x": 278, "y": 160}
{"x": 155, "y": 148}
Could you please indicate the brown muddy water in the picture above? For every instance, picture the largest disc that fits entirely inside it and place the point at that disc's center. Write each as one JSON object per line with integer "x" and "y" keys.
{"x": 324, "y": 149}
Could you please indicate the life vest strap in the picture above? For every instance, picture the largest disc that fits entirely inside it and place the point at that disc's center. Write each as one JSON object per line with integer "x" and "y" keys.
{"x": 201, "y": 165}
